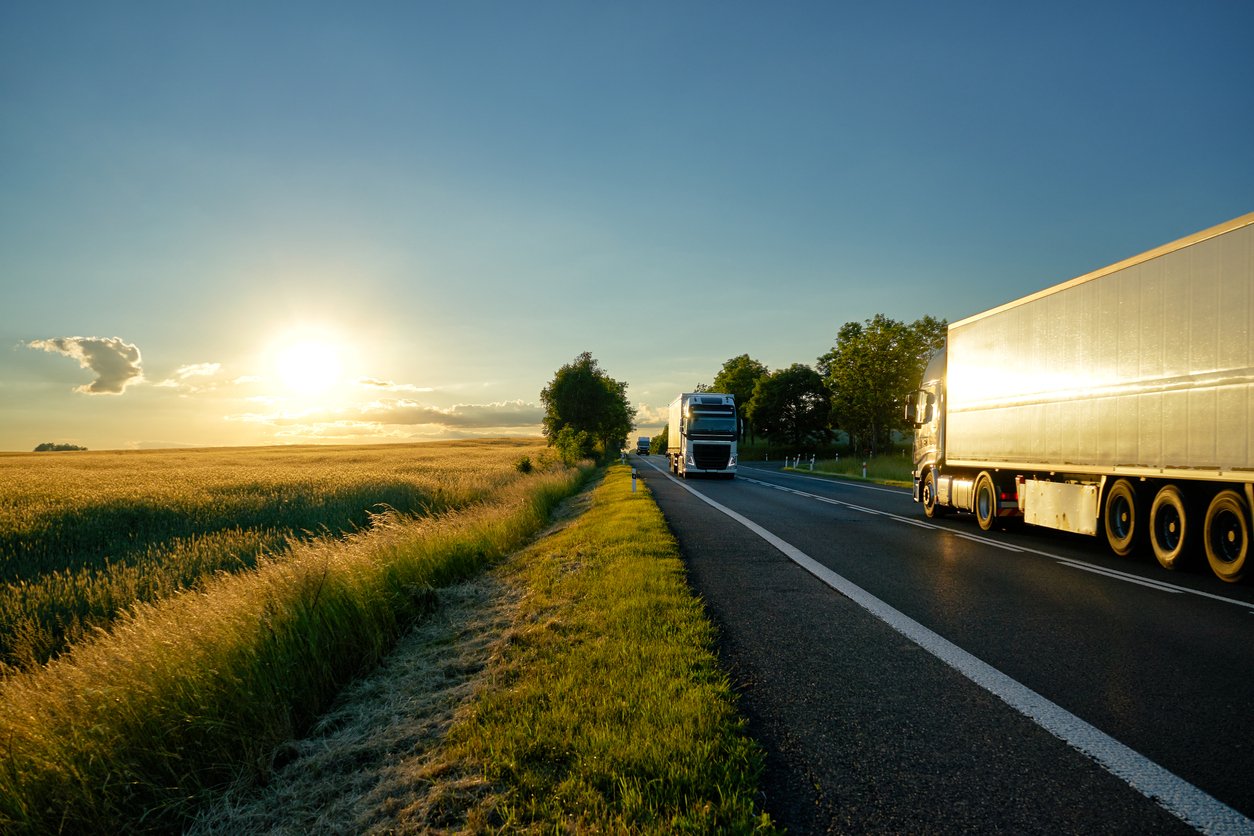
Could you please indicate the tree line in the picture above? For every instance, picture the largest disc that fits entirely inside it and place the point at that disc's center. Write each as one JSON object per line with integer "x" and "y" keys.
{"x": 859, "y": 386}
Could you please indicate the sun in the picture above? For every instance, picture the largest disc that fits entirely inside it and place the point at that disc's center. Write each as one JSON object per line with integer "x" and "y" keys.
{"x": 308, "y": 365}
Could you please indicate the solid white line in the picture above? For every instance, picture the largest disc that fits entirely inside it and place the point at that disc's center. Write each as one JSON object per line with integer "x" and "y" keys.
{"x": 1180, "y": 798}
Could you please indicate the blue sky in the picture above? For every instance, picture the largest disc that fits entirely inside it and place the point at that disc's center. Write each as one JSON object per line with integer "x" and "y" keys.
{"x": 253, "y": 223}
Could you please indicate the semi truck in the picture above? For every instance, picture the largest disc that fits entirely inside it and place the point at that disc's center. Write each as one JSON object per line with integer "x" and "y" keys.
{"x": 642, "y": 445}
{"x": 1117, "y": 404}
{"x": 702, "y": 434}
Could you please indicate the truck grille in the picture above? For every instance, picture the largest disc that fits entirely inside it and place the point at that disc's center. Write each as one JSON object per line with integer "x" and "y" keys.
{"x": 710, "y": 456}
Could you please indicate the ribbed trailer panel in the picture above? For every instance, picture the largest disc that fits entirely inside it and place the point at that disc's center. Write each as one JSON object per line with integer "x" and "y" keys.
{"x": 1143, "y": 367}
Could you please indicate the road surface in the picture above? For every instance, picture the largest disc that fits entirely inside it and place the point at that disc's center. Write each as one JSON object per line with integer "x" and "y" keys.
{"x": 913, "y": 675}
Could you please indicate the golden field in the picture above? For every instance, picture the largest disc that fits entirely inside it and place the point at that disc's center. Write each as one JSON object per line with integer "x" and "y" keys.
{"x": 86, "y": 535}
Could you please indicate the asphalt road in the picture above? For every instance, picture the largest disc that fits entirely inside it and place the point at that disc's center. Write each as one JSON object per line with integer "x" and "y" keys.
{"x": 1133, "y": 687}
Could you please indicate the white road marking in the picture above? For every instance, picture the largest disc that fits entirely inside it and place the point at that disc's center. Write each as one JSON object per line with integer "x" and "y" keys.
{"x": 1180, "y": 798}
{"x": 849, "y": 483}
{"x": 1097, "y": 570}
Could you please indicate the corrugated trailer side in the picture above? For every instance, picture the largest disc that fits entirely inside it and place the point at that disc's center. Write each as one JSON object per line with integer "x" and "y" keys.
{"x": 1118, "y": 403}
{"x": 1142, "y": 368}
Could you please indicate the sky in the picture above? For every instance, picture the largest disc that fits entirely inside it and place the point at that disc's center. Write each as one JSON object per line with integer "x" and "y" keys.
{"x": 274, "y": 223}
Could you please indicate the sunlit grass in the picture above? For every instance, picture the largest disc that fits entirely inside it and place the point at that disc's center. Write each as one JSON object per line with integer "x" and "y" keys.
{"x": 891, "y": 469}
{"x": 85, "y": 536}
{"x": 606, "y": 710}
{"x": 132, "y": 729}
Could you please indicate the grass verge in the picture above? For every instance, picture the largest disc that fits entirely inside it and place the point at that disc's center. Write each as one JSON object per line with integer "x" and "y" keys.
{"x": 605, "y": 708}
{"x": 892, "y": 470}
{"x": 134, "y": 730}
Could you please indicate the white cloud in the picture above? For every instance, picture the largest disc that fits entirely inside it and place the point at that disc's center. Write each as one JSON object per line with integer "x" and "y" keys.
{"x": 115, "y": 362}
{"x": 389, "y": 386}
{"x": 196, "y": 377}
{"x": 502, "y": 414}
{"x": 648, "y": 416}
{"x": 403, "y": 418}
{"x": 197, "y": 370}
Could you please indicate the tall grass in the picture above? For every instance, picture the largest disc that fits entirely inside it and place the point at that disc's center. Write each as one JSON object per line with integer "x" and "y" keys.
{"x": 129, "y": 731}
{"x": 85, "y": 536}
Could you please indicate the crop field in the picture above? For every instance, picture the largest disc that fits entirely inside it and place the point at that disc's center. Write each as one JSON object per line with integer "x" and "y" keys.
{"x": 86, "y": 536}
{"x": 235, "y": 593}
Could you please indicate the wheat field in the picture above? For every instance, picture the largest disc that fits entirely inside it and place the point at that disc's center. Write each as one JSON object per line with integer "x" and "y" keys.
{"x": 85, "y": 536}
{"x": 170, "y": 699}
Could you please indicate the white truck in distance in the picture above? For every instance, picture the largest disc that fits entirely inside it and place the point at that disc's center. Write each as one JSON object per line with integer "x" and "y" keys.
{"x": 1118, "y": 403}
{"x": 702, "y": 434}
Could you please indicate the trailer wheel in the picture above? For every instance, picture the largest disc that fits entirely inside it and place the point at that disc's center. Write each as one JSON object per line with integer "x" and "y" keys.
{"x": 930, "y": 508}
{"x": 1169, "y": 527}
{"x": 1227, "y": 536}
{"x": 1121, "y": 518}
{"x": 985, "y": 502}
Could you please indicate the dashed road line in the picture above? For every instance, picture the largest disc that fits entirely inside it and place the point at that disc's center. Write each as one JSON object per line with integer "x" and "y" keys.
{"x": 1113, "y": 574}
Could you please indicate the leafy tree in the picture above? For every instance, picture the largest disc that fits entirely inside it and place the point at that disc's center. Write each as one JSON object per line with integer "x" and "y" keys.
{"x": 660, "y": 442}
{"x": 49, "y": 447}
{"x": 791, "y": 405}
{"x": 585, "y": 400}
{"x": 738, "y": 377}
{"x": 870, "y": 371}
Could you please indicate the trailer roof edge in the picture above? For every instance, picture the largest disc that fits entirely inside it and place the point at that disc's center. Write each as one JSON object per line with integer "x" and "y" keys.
{"x": 1189, "y": 240}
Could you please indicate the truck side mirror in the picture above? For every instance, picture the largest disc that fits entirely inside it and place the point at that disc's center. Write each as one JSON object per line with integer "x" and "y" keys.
{"x": 919, "y": 408}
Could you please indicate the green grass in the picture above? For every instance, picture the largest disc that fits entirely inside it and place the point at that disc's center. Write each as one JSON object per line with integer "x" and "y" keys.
{"x": 606, "y": 709}
{"x": 892, "y": 469}
{"x": 131, "y": 730}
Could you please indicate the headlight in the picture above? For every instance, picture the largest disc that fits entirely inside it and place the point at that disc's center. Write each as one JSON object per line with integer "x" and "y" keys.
{"x": 731, "y": 460}
{"x": 688, "y": 460}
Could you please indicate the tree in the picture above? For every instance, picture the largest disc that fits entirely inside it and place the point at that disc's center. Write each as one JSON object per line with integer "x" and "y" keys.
{"x": 738, "y": 377}
{"x": 660, "y": 442}
{"x": 791, "y": 405}
{"x": 582, "y": 398}
{"x": 872, "y": 368}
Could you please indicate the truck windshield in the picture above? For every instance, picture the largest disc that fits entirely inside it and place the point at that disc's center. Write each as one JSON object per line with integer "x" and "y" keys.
{"x": 702, "y": 423}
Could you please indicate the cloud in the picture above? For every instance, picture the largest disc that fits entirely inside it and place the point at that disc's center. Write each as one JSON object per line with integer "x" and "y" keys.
{"x": 197, "y": 370}
{"x": 195, "y": 377}
{"x": 401, "y": 418}
{"x": 648, "y": 416}
{"x": 465, "y": 416}
{"x": 389, "y": 386}
{"x": 115, "y": 362}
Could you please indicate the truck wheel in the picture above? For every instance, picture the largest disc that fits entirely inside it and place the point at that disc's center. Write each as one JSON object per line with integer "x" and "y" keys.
{"x": 985, "y": 502}
{"x": 1122, "y": 518}
{"x": 1169, "y": 527}
{"x": 1227, "y": 536}
{"x": 930, "y": 508}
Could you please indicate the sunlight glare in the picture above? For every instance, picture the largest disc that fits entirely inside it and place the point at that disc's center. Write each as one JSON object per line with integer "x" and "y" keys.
{"x": 309, "y": 366}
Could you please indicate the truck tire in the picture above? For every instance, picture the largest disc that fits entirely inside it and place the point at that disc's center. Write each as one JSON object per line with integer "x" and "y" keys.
{"x": 928, "y": 496}
{"x": 984, "y": 502}
{"x": 1227, "y": 536}
{"x": 1169, "y": 526}
{"x": 1122, "y": 518}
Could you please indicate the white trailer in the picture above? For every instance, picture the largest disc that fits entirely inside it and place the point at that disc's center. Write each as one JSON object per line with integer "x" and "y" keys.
{"x": 702, "y": 434}
{"x": 1118, "y": 403}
